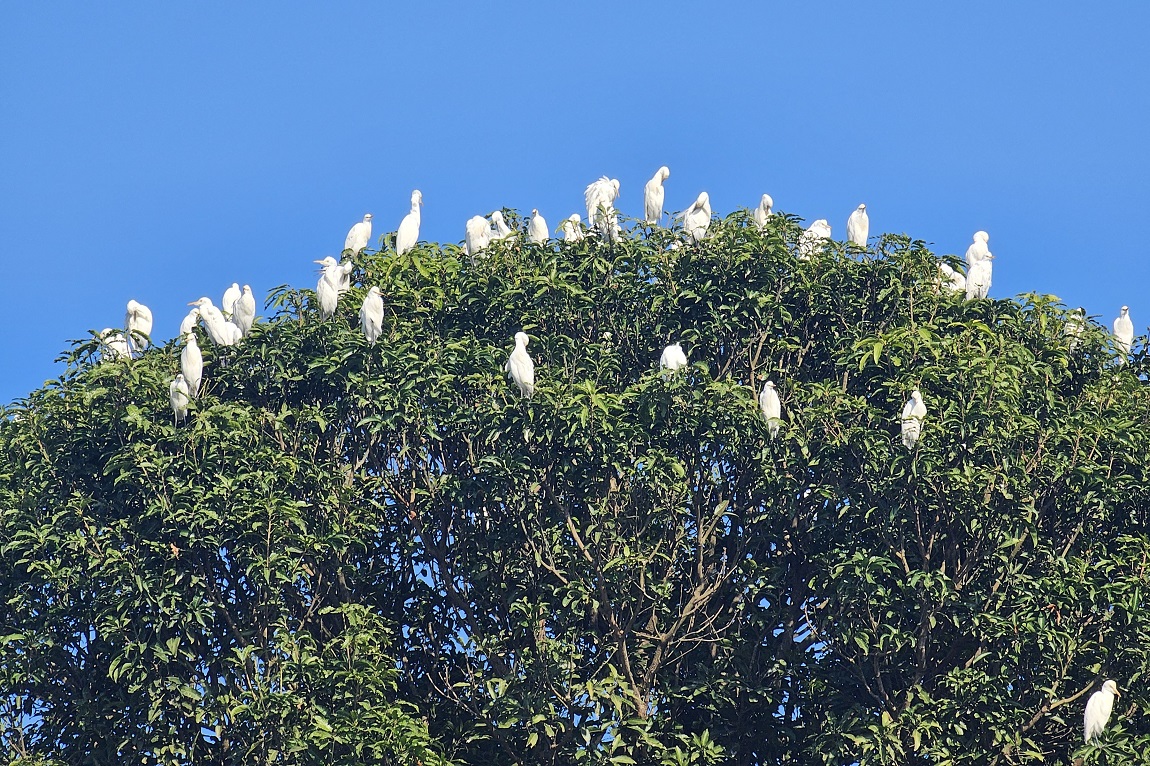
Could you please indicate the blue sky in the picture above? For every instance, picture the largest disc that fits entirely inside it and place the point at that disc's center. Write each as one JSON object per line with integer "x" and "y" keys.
{"x": 161, "y": 151}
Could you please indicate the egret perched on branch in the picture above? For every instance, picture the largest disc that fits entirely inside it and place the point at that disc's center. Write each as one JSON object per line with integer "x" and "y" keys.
{"x": 653, "y": 196}
{"x": 500, "y": 229}
{"x": 192, "y": 364}
{"x": 771, "y": 407}
{"x": 951, "y": 279}
{"x": 816, "y": 234}
{"x": 113, "y": 345}
{"x": 138, "y": 321}
{"x": 697, "y": 217}
{"x": 572, "y": 228}
{"x": 672, "y": 358}
{"x": 537, "y": 230}
{"x": 327, "y": 288}
{"x": 478, "y": 235}
{"x": 600, "y": 197}
{"x": 978, "y": 250}
{"x": 763, "y": 211}
{"x": 244, "y": 311}
{"x": 912, "y": 416}
{"x": 978, "y": 277}
{"x": 214, "y": 323}
{"x": 231, "y": 295}
{"x": 178, "y": 393}
{"x": 1124, "y": 333}
{"x": 520, "y": 369}
{"x": 189, "y": 322}
{"x": 358, "y": 236}
{"x": 858, "y": 226}
{"x": 371, "y": 315}
{"x": 1098, "y": 709}
{"x": 408, "y": 233}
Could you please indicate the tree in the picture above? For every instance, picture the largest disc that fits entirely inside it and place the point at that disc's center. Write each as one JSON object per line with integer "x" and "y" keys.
{"x": 382, "y": 554}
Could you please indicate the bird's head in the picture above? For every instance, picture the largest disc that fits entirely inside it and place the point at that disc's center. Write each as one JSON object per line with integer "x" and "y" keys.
{"x": 179, "y": 377}
{"x": 534, "y": 211}
{"x": 767, "y": 202}
{"x": 981, "y": 236}
{"x": 1125, "y": 310}
{"x": 771, "y": 384}
{"x": 327, "y": 261}
{"x": 615, "y": 185}
{"x": 497, "y": 216}
{"x": 202, "y": 302}
{"x": 133, "y": 305}
{"x": 703, "y": 199}
{"x": 574, "y": 218}
{"x": 373, "y": 290}
{"x": 247, "y": 289}
{"x": 367, "y": 218}
{"x": 664, "y": 172}
{"x": 1111, "y": 687}
{"x": 916, "y": 394}
{"x": 862, "y": 208}
{"x": 521, "y": 339}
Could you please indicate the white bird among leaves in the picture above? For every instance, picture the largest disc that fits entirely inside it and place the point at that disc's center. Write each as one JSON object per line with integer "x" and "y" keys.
{"x": 697, "y": 217}
{"x": 500, "y": 229}
{"x": 1098, "y": 709}
{"x": 537, "y": 231}
{"x": 138, "y": 322}
{"x": 192, "y": 364}
{"x": 572, "y": 228}
{"x": 653, "y": 194}
{"x": 178, "y": 394}
{"x": 978, "y": 277}
{"x": 408, "y": 233}
{"x": 600, "y": 197}
{"x": 763, "y": 211}
{"x": 673, "y": 358}
{"x": 771, "y": 406}
{"x": 858, "y": 226}
{"x": 327, "y": 291}
{"x": 189, "y": 321}
{"x": 218, "y": 328}
{"x": 978, "y": 249}
{"x": 113, "y": 345}
{"x": 1124, "y": 333}
{"x": 913, "y": 413}
{"x": 951, "y": 279}
{"x": 371, "y": 315}
{"x": 519, "y": 368}
{"x": 244, "y": 311}
{"x": 358, "y": 236}
{"x": 477, "y": 236}
{"x": 231, "y": 295}
{"x": 812, "y": 239}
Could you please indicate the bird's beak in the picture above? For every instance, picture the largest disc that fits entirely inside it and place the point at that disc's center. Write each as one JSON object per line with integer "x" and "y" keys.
{"x": 320, "y": 262}
{"x": 193, "y": 303}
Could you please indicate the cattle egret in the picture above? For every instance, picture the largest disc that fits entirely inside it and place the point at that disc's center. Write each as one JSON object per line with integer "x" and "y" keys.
{"x": 1098, "y": 709}
{"x": 338, "y": 273}
{"x": 371, "y": 315}
{"x": 763, "y": 211}
{"x": 520, "y": 369}
{"x": 951, "y": 279}
{"x": 816, "y": 234}
{"x": 858, "y": 226}
{"x": 600, "y": 197}
{"x": 978, "y": 250}
{"x": 231, "y": 295}
{"x": 235, "y": 334}
{"x": 500, "y": 229}
{"x": 214, "y": 322}
{"x": 178, "y": 393}
{"x": 244, "y": 311}
{"x": 673, "y": 358}
{"x": 1075, "y": 324}
{"x": 537, "y": 230}
{"x": 113, "y": 345}
{"x": 478, "y": 235}
{"x": 697, "y": 217}
{"x": 327, "y": 292}
{"x": 358, "y": 236}
{"x": 138, "y": 321}
{"x": 192, "y": 364}
{"x": 912, "y": 415}
{"x": 189, "y": 322}
{"x": 771, "y": 407}
{"x": 572, "y": 228}
{"x": 1124, "y": 333}
{"x": 408, "y": 233}
{"x": 978, "y": 278}
{"x": 653, "y": 196}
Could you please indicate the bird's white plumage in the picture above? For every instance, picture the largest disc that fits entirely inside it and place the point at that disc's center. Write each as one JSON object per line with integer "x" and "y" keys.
{"x": 763, "y": 211}
{"x": 520, "y": 369}
{"x": 673, "y": 358}
{"x": 178, "y": 394}
{"x": 653, "y": 194}
{"x": 1098, "y": 709}
{"x": 138, "y": 321}
{"x": 771, "y": 406}
{"x": 113, "y": 345}
{"x": 537, "y": 230}
{"x": 231, "y": 295}
{"x": 371, "y": 315}
{"x": 244, "y": 311}
{"x": 189, "y": 322}
{"x": 408, "y": 233}
{"x": 813, "y": 238}
{"x": 978, "y": 277}
{"x": 1123, "y": 333}
{"x": 478, "y": 235}
{"x": 572, "y": 228}
{"x": 499, "y": 227}
{"x": 858, "y": 226}
{"x": 978, "y": 249}
{"x": 358, "y": 236}
{"x": 951, "y": 279}
{"x": 327, "y": 293}
{"x": 600, "y": 197}
{"x": 192, "y": 364}
{"x": 697, "y": 217}
{"x": 913, "y": 413}
{"x": 214, "y": 323}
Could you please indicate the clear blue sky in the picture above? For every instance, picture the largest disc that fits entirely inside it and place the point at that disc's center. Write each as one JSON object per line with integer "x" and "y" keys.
{"x": 161, "y": 151}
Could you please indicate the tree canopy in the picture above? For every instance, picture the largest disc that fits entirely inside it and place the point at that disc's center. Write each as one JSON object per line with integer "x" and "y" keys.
{"x": 354, "y": 554}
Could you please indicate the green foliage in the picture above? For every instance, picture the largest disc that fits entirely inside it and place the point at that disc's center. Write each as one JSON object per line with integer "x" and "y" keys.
{"x": 354, "y": 554}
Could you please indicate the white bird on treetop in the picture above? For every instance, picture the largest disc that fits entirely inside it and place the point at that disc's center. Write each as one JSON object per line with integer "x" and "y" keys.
{"x": 978, "y": 277}
{"x": 231, "y": 295}
{"x": 178, "y": 394}
{"x": 520, "y": 369}
{"x": 673, "y": 358}
{"x": 816, "y": 234}
{"x": 978, "y": 249}
{"x": 189, "y": 321}
{"x": 500, "y": 229}
{"x": 951, "y": 279}
{"x": 771, "y": 406}
{"x": 192, "y": 364}
{"x": 214, "y": 322}
{"x": 358, "y": 236}
{"x": 763, "y": 211}
{"x": 1124, "y": 333}
{"x": 327, "y": 289}
{"x": 913, "y": 413}
{"x": 697, "y": 217}
{"x": 113, "y": 345}
{"x": 408, "y": 233}
{"x": 1098, "y": 709}
{"x": 478, "y": 235}
{"x": 138, "y": 322}
{"x": 244, "y": 311}
{"x": 858, "y": 226}
{"x": 572, "y": 228}
{"x": 537, "y": 230}
{"x": 371, "y": 315}
{"x": 600, "y": 197}
{"x": 653, "y": 194}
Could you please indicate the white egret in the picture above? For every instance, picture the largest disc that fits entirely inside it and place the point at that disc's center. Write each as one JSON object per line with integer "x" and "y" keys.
{"x": 478, "y": 235}
{"x": 244, "y": 311}
{"x": 913, "y": 413}
{"x": 231, "y": 295}
{"x": 673, "y": 358}
{"x": 178, "y": 393}
{"x": 771, "y": 406}
{"x": 338, "y": 273}
{"x": 1124, "y": 333}
{"x": 572, "y": 228}
{"x": 189, "y": 322}
{"x": 697, "y": 217}
{"x": 113, "y": 345}
{"x": 600, "y": 197}
{"x": 214, "y": 322}
{"x": 537, "y": 230}
{"x": 816, "y": 234}
{"x": 192, "y": 364}
{"x": 978, "y": 249}
{"x": 408, "y": 233}
{"x": 520, "y": 369}
{"x": 371, "y": 315}
{"x": 327, "y": 291}
{"x": 1098, "y": 709}
{"x": 1075, "y": 324}
{"x": 763, "y": 211}
{"x": 653, "y": 194}
{"x": 500, "y": 229}
{"x": 978, "y": 277}
{"x": 358, "y": 236}
{"x": 235, "y": 334}
{"x": 138, "y": 321}
{"x": 858, "y": 226}
{"x": 951, "y": 279}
